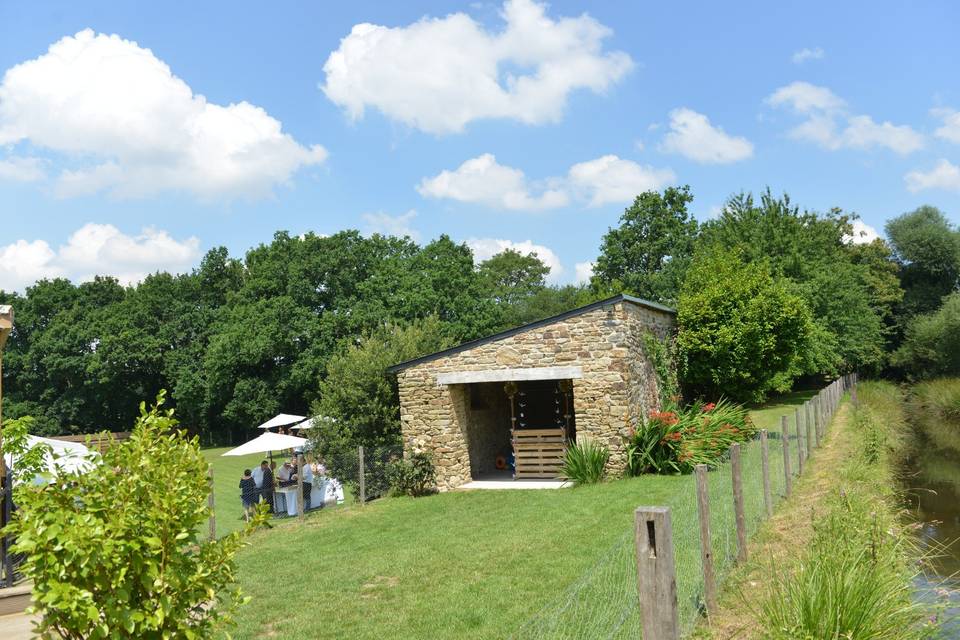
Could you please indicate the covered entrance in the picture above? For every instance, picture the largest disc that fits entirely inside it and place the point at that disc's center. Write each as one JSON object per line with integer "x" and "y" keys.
{"x": 517, "y": 428}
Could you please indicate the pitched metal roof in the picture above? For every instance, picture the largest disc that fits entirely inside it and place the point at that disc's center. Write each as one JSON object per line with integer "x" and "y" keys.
{"x": 532, "y": 325}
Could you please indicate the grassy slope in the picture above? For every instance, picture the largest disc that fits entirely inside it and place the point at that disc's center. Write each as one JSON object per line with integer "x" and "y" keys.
{"x": 456, "y": 565}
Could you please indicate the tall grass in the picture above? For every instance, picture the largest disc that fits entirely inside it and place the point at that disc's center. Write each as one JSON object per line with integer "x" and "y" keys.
{"x": 935, "y": 408}
{"x": 585, "y": 462}
{"x": 855, "y": 578}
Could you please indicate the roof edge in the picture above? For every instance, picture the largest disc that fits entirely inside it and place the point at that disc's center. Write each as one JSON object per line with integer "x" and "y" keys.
{"x": 466, "y": 346}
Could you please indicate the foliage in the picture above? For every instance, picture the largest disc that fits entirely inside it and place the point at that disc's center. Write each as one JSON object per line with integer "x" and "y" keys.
{"x": 676, "y": 440}
{"x": 28, "y": 461}
{"x": 649, "y": 252}
{"x": 742, "y": 332}
{"x": 927, "y": 247}
{"x": 511, "y": 276}
{"x": 413, "y": 476}
{"x": 585, "y": 462}
{"x": 662, "y": 354}
{"x": 932, "y": 344}
{"x": 115, "y": 552}
{"x": 934, "y": 407}
{"x": 848, "y": 294}
{"x": 357, "y": 395}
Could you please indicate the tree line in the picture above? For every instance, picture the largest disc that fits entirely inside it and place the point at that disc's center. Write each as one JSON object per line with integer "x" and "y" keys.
{"x": 767, "y": 293}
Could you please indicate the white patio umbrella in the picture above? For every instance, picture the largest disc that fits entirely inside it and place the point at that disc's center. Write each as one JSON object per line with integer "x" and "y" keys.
{"x": 268, "y": 441}
{"x": 313, "y": 422}
{"x": 72, "y": 457}
{"x": 282, "y": 420}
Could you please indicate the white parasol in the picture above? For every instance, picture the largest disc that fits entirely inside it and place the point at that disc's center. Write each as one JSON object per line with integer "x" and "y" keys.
{"x": 282, "y": 420}
{"x": 268, "y": 441}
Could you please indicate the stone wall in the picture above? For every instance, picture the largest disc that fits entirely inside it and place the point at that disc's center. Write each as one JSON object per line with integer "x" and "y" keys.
{"x": 617, "y": 386}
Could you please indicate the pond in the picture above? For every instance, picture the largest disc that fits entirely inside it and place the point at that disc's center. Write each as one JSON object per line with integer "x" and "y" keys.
{"x": 932, "y": 484}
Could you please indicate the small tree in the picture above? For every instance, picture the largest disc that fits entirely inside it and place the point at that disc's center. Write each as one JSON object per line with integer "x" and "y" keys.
{"x": 115, "y": 551}
{"x": 932, "y": 344}
{"x": 742, "y": 332}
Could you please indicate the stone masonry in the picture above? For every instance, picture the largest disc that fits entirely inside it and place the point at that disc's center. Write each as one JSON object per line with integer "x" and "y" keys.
{"x": 617, "y": 389}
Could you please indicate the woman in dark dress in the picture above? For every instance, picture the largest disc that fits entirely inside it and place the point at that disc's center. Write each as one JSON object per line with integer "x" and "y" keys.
{"x": 248, "y": 493}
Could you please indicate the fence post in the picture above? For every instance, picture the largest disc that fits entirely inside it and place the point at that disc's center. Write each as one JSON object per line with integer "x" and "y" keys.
{"x": 818, "y": 420}
{"x": 210, "y": 504}
{"x": 300, "y": 505}
{"x": 853, "y": 395}
{"x": 706, "y": 545}
{"x": 363, "y": 477}
{"x": 765, "y": 466}
{"x": 808, "y": 425}
{"x": 796, "y": 420}
{"x": 737, "y": 474}
{"x": 656, "y": 574}
{"x": 785, "y": 439}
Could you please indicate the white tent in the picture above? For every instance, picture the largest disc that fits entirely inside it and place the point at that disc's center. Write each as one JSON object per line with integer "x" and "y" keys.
{"x": 282, "y": 420}
{"x": 268, "y": 441}
{"x": 70, "y": 456}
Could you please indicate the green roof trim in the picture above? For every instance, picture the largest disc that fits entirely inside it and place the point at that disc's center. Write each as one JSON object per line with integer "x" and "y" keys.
{"x": 466, "y": 346}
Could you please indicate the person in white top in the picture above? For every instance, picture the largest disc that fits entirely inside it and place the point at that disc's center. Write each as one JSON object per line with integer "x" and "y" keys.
{"x": 307, "y": 484}
{"x": 283, "y": 475}
{"x": 258, "y": 476}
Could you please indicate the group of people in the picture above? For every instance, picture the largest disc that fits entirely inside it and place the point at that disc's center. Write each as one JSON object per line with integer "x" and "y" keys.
{"x": 259, "y": 484}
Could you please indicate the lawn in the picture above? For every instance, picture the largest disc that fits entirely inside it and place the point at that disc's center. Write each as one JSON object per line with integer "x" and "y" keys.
{"x": 482, "y": 563}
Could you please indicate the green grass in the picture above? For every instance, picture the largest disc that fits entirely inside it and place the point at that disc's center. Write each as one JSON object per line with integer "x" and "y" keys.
{"x": 477, "y": 564}
{"x": 227, "y": 472}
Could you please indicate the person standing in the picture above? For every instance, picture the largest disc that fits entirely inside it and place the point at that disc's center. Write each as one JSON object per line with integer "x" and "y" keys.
{"x": 307, "y": 484}
{"x": 258, "y": 477}
{"x": 248, "y": 493}
{"x": 266, "y": 487}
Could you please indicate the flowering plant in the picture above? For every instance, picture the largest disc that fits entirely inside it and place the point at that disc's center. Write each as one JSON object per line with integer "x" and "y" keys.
{"x": 675, "y": 439}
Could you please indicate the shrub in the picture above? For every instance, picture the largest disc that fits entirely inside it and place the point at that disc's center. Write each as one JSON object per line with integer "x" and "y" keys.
{"x": 413, "y": 476}
{"x": 932, "y": 344}
{"x": 676, "y": 440}
{"x": 742, "y": 331}
{"x": 115, "y": 551}
{"x": 585, "y": 462}
{"x": 935, "y": 409}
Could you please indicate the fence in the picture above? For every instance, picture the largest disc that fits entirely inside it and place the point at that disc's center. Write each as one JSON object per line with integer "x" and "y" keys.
{"x": 662, "y": 556}
{"x": 9, "y": 561}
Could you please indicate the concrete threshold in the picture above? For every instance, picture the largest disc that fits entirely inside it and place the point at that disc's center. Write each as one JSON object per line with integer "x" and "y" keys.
{"x": 514, "y": 484}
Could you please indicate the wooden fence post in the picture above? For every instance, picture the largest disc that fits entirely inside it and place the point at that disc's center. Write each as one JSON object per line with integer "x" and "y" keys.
{"x": 737, "y": 473}
{"x": 706, "y": 544}
{"x": 656, "y": 574}
{"x": 210, "y": 504}
{"x": 300, "y": 505}
{"x": 853, "y": 395}
{"x": 785, "y": 439}
{"x": 808, "y": 425}
{"x": 796, "y": 420}
{"x": 363, "y": 477}
{"x": 765, "y": 466}
{"x": 818, "y": 420}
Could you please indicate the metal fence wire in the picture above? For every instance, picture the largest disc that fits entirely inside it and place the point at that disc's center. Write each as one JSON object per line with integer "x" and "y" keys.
{"x": 603, "y": 601}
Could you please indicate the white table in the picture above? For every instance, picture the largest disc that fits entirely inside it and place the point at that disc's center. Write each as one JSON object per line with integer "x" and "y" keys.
{"x": 289, "y": 498}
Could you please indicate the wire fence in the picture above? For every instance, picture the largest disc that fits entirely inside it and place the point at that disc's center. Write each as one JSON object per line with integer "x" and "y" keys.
{"x": 603, "y": 601}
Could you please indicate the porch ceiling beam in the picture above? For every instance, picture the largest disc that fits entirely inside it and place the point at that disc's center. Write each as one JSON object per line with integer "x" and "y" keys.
{"x": 510, "y": 375}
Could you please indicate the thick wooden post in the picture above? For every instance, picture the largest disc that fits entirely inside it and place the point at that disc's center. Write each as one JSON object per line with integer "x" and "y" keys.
{"x": 656, "y": 574}
{"x": 796, "y": 421}
{"x": 737, "y": 473}
{"x": 765, "y": 467}
{"x": 799, "y": 417}
{"x": 362, "y": 474}
{"x": 785, "y": 439}
{"x": 808, "y": 423}
{"x": 210, "y": 505}
{"x": 706, "y": 544}
{"x": 818, "y": 420}
{"x": 300, "y": 505}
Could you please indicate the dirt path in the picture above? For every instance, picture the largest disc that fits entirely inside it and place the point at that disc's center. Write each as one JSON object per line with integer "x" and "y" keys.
{"x": 784, "y": 533}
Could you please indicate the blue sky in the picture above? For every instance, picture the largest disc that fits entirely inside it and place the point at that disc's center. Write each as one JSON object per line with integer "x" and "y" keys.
{"x": 135, "y": 136}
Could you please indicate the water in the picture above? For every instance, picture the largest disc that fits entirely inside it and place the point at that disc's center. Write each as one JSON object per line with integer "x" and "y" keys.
{"x": 933, "y": 485}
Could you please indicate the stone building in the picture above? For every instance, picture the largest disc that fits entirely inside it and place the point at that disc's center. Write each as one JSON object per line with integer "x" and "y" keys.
{"x": 511, "y": 401}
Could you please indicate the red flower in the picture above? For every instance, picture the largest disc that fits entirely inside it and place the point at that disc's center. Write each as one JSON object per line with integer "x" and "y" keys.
{"x": 710, "y": 406}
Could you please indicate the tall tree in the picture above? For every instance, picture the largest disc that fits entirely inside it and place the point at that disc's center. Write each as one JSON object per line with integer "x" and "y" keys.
{"x": 648, "y": 254}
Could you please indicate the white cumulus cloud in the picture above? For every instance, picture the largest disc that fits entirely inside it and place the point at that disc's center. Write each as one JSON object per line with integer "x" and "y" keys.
{"x": 440, "y": 74}
{"x": 482, "y": 180}
{"x": 862, "y": 233}
{"x": 945, "y": 175}
{"x": 951, "y": 124}
{"x": 801, "y": 56}
{"x": 96, "y": 249}
{"x": 123, "y": 123}
{"x": 486, "y": 248}
{"x": 692, "y": 136}
{"x": 830, "y": 125}
{"x": 610, "y": 179}
{"x": 584, "y": 271}
{"x": 388, "y": 225}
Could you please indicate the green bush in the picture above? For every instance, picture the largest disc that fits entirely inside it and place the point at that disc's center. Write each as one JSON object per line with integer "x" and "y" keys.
{"x": 413, "y": 476}
{"x": 585, "y": 462}
{"x": 115, "y": 551}
{"x": 676, "y": 440}
{"x": 932, "y": 344}
{"x": 934, "y": 408}
{"x": 742, "y": 331}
